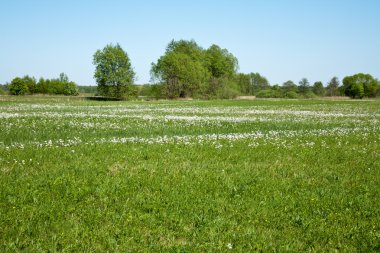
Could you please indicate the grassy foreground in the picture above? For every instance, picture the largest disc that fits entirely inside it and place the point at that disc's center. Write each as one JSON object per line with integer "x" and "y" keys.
{"x": 189, "y": 176}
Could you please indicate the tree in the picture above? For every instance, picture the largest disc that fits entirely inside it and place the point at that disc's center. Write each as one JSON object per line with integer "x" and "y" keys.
{"x": 357, "y": 90}
{"x": 318, "y": 89}
{"x": 70, "y": 89}
{"x": 220, "y": 62}
{"x": 304, "y": 86}
{"x": 63, "y": 78}
{"x": 258, "y": 83}
{"x": 244, "y": 83}
{"x": 183, "y": 76}
{"x": 223, "y": 67}
{"x": 289, "y": 89}
{"x": 360, "y": 85}
{"x": 18, "y": 87}
{"x": 31, "y": 83}
{"x": 42, "y": 86}
{"x": 332, "y": 87}
{"x": 187, "y": 70}
{"x": 113, "y": 71}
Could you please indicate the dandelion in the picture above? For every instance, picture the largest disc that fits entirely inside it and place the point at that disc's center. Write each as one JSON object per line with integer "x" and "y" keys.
{"x": 229, "y": 245}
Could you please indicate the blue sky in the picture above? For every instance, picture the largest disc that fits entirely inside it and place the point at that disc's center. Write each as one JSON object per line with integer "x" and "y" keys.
{"x": 281, "y": 39}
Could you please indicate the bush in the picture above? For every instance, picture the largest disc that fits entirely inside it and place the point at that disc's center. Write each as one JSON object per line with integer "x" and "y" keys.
{"x": 310, "y": 94}
{"x": 157, "y": 91}
{"x": 268, "y": 94}
{"x": 70, "y": 89}
{"x": 291, "y": 94}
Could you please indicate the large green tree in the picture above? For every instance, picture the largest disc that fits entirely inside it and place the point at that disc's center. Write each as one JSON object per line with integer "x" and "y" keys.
{"x": 181, "y": 69}
{"x": 188, "y": 70}
{"x": 360, "y": 85}
{"x": 113, "y": 71}
{"x": 18, "y": 86}
{"x": 220, "y": 62}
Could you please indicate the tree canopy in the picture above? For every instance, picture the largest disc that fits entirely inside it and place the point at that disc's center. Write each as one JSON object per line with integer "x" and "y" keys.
{"x": 360, "y": 85}
{"x": 188, "y": 70}
{"x": 113, "y": 71}
{"x": 18, "y": 87}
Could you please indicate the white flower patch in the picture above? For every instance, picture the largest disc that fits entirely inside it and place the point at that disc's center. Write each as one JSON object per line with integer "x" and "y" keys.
{"x": 64, "y": 125}
{"x": 272, "y": 137}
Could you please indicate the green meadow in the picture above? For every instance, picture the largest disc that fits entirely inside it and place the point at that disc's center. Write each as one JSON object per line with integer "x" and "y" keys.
{"x": 189, "y": 176}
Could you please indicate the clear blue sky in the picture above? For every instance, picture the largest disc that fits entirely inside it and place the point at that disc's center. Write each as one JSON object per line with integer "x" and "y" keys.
{"x": 281, "y": 39}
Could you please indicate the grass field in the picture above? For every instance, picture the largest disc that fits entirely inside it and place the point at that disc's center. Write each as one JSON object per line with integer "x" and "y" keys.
{"x": 189, "y": 176}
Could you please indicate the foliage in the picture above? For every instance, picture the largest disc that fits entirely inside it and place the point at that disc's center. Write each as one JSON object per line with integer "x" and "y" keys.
{"x": 319, "y": 89}
{"x": 152, "y": 91}
{"x": 220, "y": 62}
{"x": 244, "y": 83}
{"x": 113, "y": 71}
{"x": 187, "y": 70}
{"x": 289, "y": 86}
{"x": 258, "y": 82}
{"x": 183, "y": 75}
{"x": 31, "y": 83}
{"x": 291, "y": 94}
{"x": 360, "y": 85}
{"x": 28, "y": 85}
{"x": 22, "y": 86}
{"x": 304, "y": 86}
{"x": 189, "y": 176}
{"x": 57, "y": 86}
{"x": 333, "y": 86}
{"x": 227, "y": 89}
{"x": 4, "y": 89}
{"x": 269, "y": 94}
{"x": 309, "y": 94}
{"x": 18, "y": 87}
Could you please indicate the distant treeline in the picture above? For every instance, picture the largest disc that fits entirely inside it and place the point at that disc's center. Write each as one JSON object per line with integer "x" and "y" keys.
{"x": 29, "y": 85}
{"x": 253, "y": 84}
{"x": 187, "y": 70}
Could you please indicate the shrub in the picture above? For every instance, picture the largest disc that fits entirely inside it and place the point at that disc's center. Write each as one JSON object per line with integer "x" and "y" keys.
{"x": 268, "y": 94}
{"x": 309, "y": 94}
{"x": 291, "y": 94}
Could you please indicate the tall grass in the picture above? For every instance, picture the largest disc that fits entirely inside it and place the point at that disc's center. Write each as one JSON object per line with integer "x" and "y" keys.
{"x": 189, "y": 176}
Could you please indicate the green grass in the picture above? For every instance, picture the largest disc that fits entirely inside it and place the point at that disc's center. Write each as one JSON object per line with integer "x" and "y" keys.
{"x": 189, "y": 176}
